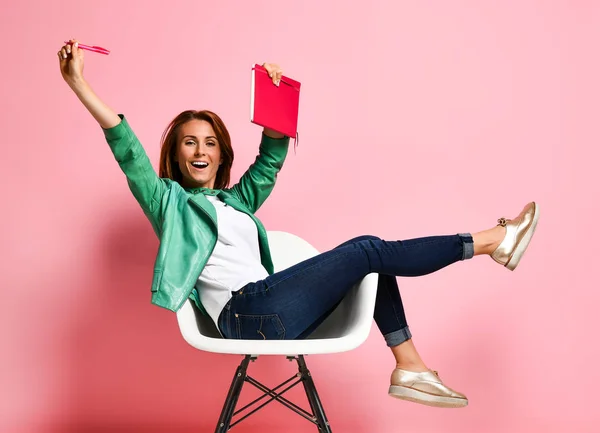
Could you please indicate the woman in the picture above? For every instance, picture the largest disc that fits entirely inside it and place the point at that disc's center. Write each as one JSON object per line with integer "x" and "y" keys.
{"x": 215, "y": 251}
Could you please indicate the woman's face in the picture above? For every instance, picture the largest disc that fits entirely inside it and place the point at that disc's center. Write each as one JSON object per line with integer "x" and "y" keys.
{"x": 198, "y": 154}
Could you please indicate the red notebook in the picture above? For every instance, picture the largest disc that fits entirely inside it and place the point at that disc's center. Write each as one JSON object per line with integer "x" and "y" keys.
{"x": 274, "y": 107}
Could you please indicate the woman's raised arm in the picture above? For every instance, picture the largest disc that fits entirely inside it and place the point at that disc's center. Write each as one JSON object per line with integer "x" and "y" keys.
{"x": 143, "y": 182}
{"x": 71, "y": 68}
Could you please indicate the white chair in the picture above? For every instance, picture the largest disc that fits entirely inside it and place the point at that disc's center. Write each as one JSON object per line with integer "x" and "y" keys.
{"x": 345, "y": 329}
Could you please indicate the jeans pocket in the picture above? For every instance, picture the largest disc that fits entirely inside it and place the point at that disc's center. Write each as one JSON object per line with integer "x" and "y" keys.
{"x": 259, "y": 327}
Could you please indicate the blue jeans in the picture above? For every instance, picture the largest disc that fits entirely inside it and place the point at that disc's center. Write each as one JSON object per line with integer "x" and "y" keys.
{"x": 291, "y": 303}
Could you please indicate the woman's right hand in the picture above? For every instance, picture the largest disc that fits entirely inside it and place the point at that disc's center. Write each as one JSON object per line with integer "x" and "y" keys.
{"x": 71, "y": 68}
{"x": 71, "y": 62}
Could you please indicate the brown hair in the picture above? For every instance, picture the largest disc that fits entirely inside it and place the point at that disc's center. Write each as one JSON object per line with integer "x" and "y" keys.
{"x": 170, "y": 169}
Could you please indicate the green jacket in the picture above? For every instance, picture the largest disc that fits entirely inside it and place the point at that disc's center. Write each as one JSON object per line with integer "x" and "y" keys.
{"x": 183, "y": 219}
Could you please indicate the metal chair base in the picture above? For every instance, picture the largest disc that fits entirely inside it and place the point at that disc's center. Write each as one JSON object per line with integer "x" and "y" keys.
{"x": 316, "y": 416}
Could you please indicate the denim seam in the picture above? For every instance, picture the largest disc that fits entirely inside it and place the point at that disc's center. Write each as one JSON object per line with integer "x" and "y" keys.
{"x": 244, "y": 294}
{"x": 393, "y": 306}
{"x": 226, "y": 321}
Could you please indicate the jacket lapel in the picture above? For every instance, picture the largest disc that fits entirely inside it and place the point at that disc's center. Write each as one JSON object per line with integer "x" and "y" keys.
{"x": 202, "y": 202}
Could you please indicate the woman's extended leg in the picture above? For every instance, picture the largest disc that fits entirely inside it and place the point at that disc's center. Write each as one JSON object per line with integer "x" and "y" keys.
{"x": 285, "y": 304}
{"x": 300, "y": 294}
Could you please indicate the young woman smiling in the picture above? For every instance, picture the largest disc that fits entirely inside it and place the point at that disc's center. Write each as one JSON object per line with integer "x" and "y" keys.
{"x": 215, "y": 251}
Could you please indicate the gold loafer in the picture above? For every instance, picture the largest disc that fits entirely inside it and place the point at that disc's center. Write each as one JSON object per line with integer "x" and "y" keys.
{"x": 518, "y": 235}
{"x": 425, "y": 388}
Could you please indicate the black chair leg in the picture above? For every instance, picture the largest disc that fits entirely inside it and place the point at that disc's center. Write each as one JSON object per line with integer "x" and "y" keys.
{"x": 313, "y": 396}
{"x": 232, "y": 396}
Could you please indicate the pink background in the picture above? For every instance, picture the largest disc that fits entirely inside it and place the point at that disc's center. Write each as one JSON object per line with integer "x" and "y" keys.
{"x": 417, "y": 118}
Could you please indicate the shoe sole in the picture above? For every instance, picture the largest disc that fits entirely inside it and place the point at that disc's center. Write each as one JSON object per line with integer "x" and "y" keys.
{"x": 421, "y": 397}
{"x": 522, "y": 246}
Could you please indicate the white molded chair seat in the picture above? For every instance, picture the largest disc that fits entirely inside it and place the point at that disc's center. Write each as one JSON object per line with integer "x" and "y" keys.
{"x": 345, "y": 329}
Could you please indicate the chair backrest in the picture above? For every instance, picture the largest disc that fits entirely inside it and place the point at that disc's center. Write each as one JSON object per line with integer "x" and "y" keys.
{"x": 288, "y": 249}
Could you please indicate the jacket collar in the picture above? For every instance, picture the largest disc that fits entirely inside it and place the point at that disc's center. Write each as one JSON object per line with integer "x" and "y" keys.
{"x": 203, "y": 191}
{"x": 197, "y": 196}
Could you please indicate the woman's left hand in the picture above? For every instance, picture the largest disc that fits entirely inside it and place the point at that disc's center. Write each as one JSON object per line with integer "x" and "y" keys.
{"x": 275, "y": 72}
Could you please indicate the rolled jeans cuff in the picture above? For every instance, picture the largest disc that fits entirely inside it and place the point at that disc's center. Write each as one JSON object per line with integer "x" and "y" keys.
{"x": 394, "y": 338}
{"x": 468, "y": 248}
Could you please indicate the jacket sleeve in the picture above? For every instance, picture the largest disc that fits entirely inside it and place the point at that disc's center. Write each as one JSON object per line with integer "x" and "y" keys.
{"x": 258, "y": 181}
{"x": 144, "y": 183}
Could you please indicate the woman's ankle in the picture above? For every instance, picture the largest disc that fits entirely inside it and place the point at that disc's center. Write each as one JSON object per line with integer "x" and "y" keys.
{"x": 487, "y": 241}
{"x": 416, "y": 367}
{"x": 407, "y": 358}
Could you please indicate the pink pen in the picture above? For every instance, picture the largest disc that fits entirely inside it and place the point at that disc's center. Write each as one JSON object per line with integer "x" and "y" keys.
{"x": 95, "y": 49}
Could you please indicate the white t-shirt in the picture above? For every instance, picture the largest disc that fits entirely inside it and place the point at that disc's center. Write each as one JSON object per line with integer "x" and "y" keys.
{"x": 235, "y": 261}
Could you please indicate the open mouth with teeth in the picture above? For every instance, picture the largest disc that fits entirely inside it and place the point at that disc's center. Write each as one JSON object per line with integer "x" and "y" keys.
{"x": 199, "y": 165}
